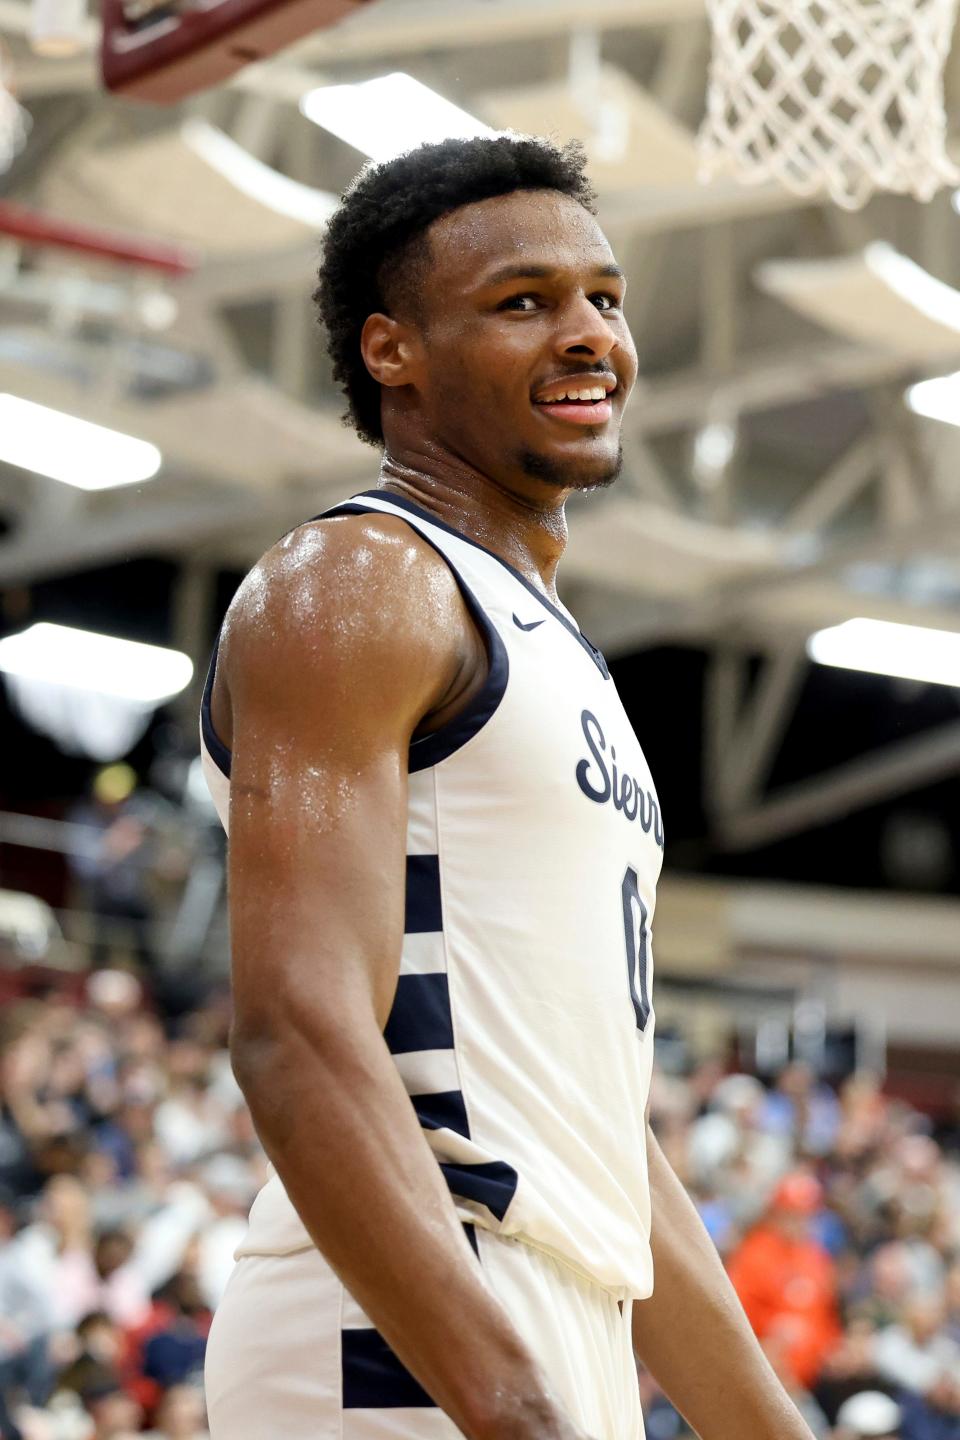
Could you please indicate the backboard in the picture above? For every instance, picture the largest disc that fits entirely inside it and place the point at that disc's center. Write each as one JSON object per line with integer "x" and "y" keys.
{"x": 163, "y": 50}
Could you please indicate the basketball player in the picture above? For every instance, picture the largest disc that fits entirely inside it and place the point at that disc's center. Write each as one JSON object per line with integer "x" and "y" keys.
{"x": 444, "y": 844}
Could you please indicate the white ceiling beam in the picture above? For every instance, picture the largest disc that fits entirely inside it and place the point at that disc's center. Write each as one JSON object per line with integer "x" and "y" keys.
{"x": 828, "y": 496}
{"x": 253, "y": 277}
{"x": 892, "y": 770}
{"x": 762, "y": 380}
{"x": 437, "y": 25}
{"x": 36, "y": 77}
{"x": 114, "y": 532}
{"x": 761, "y": 726}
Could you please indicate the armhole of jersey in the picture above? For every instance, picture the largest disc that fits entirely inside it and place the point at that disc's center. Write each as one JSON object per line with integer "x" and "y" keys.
{"x": 216, "y": 749}
{"x": 439, "y": 744}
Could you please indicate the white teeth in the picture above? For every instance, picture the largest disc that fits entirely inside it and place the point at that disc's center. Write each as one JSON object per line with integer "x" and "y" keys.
{"x": 596, "y": 392}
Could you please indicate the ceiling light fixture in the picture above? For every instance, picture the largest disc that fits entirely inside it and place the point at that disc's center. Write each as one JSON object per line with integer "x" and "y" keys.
{"x": 937, "y": 399}
{"x": 59, "y": 28}
{"x": 101, "y": 664}
{"x": 388, "y": 116}
{"x": 884, "y": 647}
{"x": 75, "y": 451}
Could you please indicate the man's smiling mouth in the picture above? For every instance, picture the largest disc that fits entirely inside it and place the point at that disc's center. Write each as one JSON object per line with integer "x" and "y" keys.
{"x": 578, "y": 399}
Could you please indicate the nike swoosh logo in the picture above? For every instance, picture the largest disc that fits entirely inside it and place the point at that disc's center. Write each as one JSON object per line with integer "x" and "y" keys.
{"x": 530, "y": 625}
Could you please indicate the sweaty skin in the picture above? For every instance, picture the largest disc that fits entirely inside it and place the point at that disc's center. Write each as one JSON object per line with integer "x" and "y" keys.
{"x": 349, "y": 638}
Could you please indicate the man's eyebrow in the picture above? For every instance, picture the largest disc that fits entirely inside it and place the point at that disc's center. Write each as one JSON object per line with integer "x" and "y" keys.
{"x": 543, "y": 272}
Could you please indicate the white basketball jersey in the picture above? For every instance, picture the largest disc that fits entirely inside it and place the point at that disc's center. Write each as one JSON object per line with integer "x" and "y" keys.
{"x": 522, "y": 1024}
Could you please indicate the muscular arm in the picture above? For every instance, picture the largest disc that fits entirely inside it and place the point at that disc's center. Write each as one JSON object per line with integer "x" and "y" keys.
{"x": 347, "y": 635}
{"x": 693, "y": 1336}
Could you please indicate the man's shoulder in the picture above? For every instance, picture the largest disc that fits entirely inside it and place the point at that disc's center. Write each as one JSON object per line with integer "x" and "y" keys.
{"x": 340, "y": 589}
{"x": 369, "y": 565}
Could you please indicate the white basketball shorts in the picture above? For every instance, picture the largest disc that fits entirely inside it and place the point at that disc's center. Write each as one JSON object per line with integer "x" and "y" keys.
{"x": 292, "y": 1355}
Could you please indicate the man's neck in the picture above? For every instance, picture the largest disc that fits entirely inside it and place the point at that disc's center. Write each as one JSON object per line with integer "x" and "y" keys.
{"x": 528, "y": 531}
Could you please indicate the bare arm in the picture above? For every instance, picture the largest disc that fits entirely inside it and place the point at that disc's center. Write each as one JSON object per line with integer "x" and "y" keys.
{"x": 693, "y": 1336}
{"x": 344, "y": 639}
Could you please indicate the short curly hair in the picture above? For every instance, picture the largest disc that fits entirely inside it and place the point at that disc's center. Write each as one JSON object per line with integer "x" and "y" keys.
{"x": 376, "y": 238}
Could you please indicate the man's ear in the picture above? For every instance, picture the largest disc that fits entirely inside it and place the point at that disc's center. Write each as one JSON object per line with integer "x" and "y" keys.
{"x": 388, "y": 350}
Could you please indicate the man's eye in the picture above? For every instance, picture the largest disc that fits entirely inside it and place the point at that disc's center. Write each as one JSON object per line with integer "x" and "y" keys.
{"x": 519, "y": 302}
{"x": 604, "y": 302}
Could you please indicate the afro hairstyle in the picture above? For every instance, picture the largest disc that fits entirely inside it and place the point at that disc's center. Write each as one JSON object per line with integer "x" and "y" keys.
{"x": 377, "y": 237}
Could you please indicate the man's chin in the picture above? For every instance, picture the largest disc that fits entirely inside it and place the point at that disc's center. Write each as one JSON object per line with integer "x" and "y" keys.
{"x": 567, "y": 473}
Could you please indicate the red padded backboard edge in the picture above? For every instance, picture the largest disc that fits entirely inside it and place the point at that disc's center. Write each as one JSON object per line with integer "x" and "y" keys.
{"x": 35, "y": 227}
{"x": 177, "y": 54}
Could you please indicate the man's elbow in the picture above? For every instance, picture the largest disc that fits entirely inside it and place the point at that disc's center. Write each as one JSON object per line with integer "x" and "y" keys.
{"x": 278, "y": 1052}
{"x": 254, "y": 1051}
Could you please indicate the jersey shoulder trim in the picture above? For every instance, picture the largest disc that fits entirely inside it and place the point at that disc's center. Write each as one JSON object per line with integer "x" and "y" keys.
{"x": 216, "y": 749}
{"x": 430, "y": 749}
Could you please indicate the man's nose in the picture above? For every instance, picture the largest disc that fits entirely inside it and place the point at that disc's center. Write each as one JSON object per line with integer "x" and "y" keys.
{"x": 584, "y": 331}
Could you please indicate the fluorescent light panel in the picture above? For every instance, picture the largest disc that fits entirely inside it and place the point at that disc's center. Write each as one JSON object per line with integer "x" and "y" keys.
{"x": 102, "y": 664}
{"x": 388, "y": 116}
{"x": 882, "y": 647}
{"x": 79, "y": 453}
{"x": 256, "y": 180}
{"x": 937, "y": 399}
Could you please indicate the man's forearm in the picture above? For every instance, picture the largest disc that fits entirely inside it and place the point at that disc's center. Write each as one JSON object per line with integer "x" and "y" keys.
{"x": 340, "y": 1129}
{"x": 692, "y": 1334}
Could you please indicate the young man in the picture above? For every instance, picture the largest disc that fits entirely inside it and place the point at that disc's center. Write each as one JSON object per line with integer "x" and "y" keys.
{"x": 444, "y": 847}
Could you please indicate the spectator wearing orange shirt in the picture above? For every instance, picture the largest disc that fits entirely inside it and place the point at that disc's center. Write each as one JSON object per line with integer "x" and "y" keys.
{"x": 787, "y": 1281}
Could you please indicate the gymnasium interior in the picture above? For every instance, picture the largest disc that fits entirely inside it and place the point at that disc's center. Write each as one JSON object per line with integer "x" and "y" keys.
{"x": 774, "y": 581}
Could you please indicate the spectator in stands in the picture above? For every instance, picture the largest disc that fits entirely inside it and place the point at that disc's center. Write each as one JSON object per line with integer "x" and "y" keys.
{"x": 181, "y": 1415}
{"x": 787, "y": 1282}
{"x": 803, "y": 1110}
{"x": 863, "y": 1115}
{"x": 116, "y": 862}
{"x": 130, "y": 1162}
{"x": 115, "y": 1414}
{"x": 952, "y": 1299}
{"x": 173, "y": 1353}
{"x": 26, "y": 1369}
{"x": 850, "y": 1369}
{"x": 885, "y": 1285}
{"x": 918, "y": 1354}
{"x": 729, "y": 1150}
{"x": 934, "y": 1416}
{"x": 100, "y": 1353}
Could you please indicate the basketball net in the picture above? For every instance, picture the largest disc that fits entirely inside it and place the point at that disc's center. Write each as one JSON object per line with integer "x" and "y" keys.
{"x": 14, "y": 120}
{"x": 842, "y": 97}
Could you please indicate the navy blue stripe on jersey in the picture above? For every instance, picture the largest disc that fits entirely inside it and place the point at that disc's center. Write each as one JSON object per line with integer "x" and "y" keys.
{"x": 372, "y": 1376}
{"x": 444, "y": 1110}
{"x": 471, "y": 1233}
{"x": 423, "y": 912}
{"x": 492, "y": 1184}
{"x": 216, "y": 749}
{"x": 420, "y": 1018}
{"x": 404, "y": 504}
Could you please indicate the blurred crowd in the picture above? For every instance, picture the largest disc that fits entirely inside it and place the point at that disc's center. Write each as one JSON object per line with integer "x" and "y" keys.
{"x": 128, "y": 1163}
{"x": 127, "y": 1167}
{"x": 837, "y": 1212}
